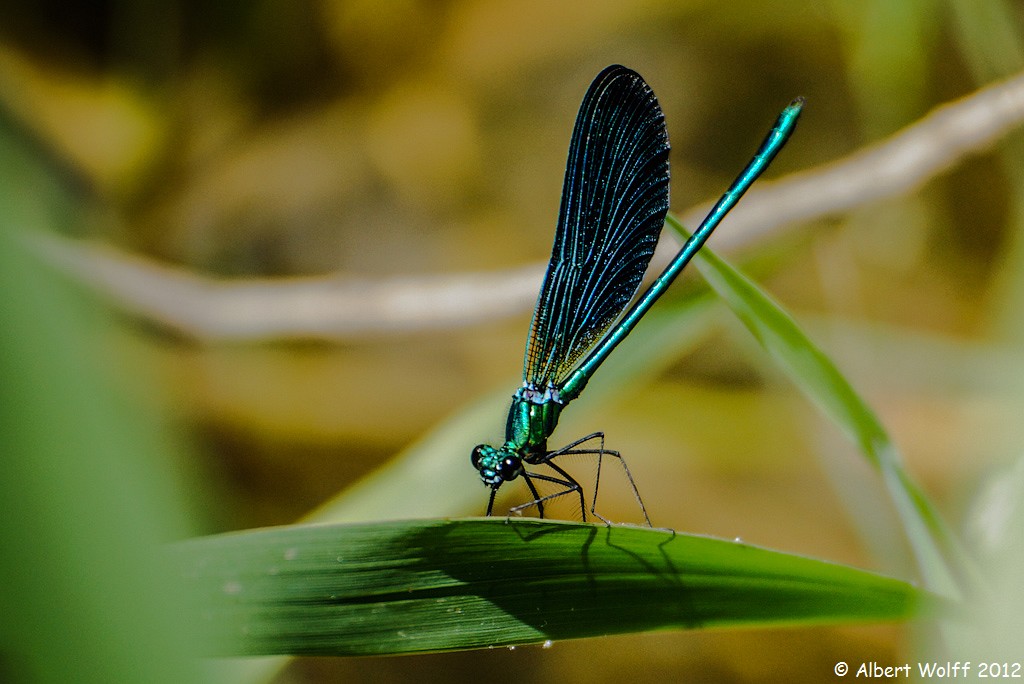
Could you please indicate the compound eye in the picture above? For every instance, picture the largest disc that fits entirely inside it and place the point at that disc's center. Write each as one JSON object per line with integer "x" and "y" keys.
{"x": 478, "y": 453}
{"x": 510, "y": 468}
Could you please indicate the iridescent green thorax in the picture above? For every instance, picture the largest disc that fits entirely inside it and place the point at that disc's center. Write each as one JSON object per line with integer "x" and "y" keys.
{"x": 532, "y": 418}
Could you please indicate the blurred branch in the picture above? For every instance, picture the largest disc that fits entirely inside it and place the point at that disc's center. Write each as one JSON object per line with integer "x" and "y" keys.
{"x": 339, "y": 307}
{"x": 900, "y": 164}
{"x": 329, "y": 307}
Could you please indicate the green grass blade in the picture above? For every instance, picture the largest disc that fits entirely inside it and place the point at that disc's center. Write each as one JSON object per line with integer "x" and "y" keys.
{"x": 437, "y": 585}
{"x": 816, "y": 375}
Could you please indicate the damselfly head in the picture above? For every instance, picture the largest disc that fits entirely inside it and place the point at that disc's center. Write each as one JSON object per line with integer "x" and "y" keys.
{"x": 495, "y": 465}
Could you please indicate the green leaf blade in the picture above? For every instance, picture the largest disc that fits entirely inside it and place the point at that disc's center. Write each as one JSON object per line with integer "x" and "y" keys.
{"x": 815, "y": 374}
{"x": 422, "y": 586}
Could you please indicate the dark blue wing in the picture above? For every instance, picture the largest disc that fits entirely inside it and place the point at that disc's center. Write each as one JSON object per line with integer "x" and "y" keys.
{"x": 614, "y": 202}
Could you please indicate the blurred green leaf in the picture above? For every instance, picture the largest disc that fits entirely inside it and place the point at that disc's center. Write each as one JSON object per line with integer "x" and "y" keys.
{"x": 87, "y": 489}
{"x": 997, "y": 524}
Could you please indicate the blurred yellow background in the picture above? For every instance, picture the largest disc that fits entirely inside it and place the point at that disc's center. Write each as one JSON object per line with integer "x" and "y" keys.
{"x": 275, "y": 141}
